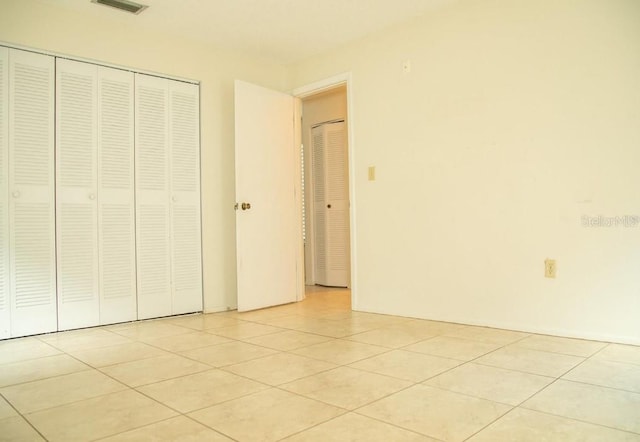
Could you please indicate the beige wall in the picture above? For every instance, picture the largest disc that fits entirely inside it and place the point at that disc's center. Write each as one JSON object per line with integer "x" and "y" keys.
{"x": 518, "y": 117}
{"x": 43, "y": 26}
{"x": 316, "y": 109}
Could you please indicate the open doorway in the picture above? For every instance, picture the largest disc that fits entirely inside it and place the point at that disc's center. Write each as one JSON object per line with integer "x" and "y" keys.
{"x": 326, "y": 204}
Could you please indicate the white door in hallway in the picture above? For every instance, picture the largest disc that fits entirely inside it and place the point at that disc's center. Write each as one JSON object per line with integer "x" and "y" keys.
{"x": 331, "y": 204}
{"x": 268, "y": 219}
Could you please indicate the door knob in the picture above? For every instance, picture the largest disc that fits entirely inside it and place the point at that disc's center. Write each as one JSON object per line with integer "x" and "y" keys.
{"x": 246, "y": 206}
{"x": 16, "y": 194}
{"x": 328, "y": 206}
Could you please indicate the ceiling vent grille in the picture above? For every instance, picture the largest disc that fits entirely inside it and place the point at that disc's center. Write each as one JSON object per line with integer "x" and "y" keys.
{"x": 123, "y": 5}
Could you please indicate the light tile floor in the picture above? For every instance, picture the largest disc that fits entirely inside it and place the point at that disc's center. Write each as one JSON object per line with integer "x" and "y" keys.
{"x": 315, "y": 371}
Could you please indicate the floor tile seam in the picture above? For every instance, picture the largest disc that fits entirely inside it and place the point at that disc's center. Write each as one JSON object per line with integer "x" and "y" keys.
{"x": 122, "y": 388}
{"x": 165, "y": 320}
{"x": 98, "y": 367}
{"x": 558, "y": 352}
{"x": 113, "y": 393}
{"x": 491, "y": 423}
{"x": 367, "y": 417}
{"x": 344, "y": 339}
{"x": 337, "y": 367}
{"x": 166, "y": 379}
{"x": 523, "y": 407}
{"x": 594, "y": 357}
{"x": 343, "y": 411}
{"x": 388, "y": 375}
{"x": 476, "y": 362}
{"x": 180, "y": 353}
{"x": 469, "y": 395}
{"x": 21, "y": 416}
{"x": 195, "y": 410}
{"x": 591, "y": 358}
{"x": 168, "y": 353}
{"x": 603, "y": 359}
{"x": 484, "y": 341}
{"x": 341, "y": 407}
{"x": 177, "y": 352}
{"x": 47, "y": 377}
{"x": 281, "y": 384}
{"x": 29, "y": 423}
{"x": 314, "y": 425}
{"x": 402, "y": 346}
{"x": 486, "y": 364}
{"x": 387, "y": 350}
{"x": 210, "y": 331}
{"x": 637, "y": 393}
{"x": 221, "y": 367}
{"x": 461, "y": 339}
{"x": 443, "y": 372}
{"x": 463, "y": 360}
{"x": 360, "y": 413}
{"x": 508, "y": 345}
{"x": 150, "y": 425}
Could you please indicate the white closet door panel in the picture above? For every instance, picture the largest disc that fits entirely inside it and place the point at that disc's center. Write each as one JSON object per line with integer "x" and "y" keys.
{"x": 184, "y": 139}
{"x": 5, "y": 272}
{"x": 331, "y": 200}
{"x": 77, "y": 197}
{"x": 338, "y": 198}
{"x": 116, "y": 210}
{"x": 319, "y": 204}
{"x": 152, "y": 197}
{"x": 31, "y": 190}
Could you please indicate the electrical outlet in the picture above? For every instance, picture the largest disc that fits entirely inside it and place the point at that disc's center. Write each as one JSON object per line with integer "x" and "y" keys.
{"x": 406, "y": 66}
{"x": 550, "y": 268}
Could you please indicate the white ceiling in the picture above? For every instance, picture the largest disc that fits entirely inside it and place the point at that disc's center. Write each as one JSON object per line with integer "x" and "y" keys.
{"x": 283, "y": 30}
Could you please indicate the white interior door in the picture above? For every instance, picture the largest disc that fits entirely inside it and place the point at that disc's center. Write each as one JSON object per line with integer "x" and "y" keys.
{"x": 184, "y": 147}
{"x": 5, "y": 271}
{"x": 31, "y": 190}
{"x": 331, "y": 204}
{"x": 268, "y": 232}
{"x": 76, "y": 190}
{"x": 116, "y": 202}
{"x": 152, "y": 197}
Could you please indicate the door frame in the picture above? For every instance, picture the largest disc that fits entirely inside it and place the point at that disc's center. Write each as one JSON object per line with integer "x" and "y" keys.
{"x": 313, "y": 89}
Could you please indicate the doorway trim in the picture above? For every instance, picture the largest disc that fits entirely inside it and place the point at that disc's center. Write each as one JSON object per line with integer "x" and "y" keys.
{"x": 318, "y": 87}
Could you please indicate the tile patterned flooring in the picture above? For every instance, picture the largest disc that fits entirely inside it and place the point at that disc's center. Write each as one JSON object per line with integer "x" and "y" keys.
{"x": 315, "y": 371}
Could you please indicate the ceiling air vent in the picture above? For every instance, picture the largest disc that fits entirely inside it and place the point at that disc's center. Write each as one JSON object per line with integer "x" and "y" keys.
{"x": 123, "y": 5}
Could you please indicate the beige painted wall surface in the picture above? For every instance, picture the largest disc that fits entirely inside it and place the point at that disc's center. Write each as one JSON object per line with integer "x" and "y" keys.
{"x": 517, "y": 118}
{"x": 327, "y": 106}
{"x": 106, "y": 37}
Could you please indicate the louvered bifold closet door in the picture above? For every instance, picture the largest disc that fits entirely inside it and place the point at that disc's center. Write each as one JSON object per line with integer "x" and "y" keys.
{"x": 116, "y": 204}
{"x": 5, "y": 271}
{"x": 31, "y": 193}
{"x": 152, "y": 197}
{"x": 184, "y": 142}
{"x": 77, "y": 197}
